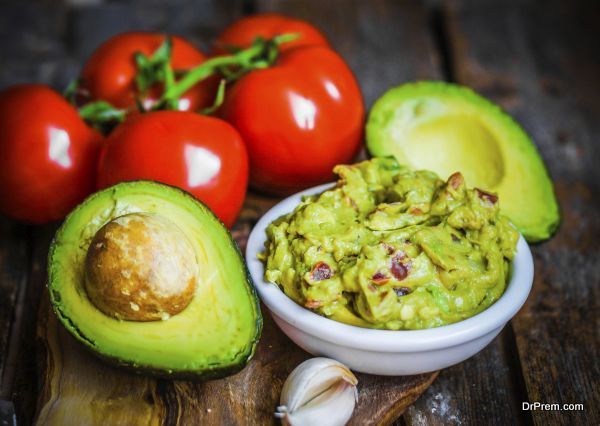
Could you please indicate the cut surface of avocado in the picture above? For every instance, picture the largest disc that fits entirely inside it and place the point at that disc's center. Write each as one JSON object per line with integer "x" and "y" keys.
{"x": 447, "y": 128}
{"x": 214, "y": 335}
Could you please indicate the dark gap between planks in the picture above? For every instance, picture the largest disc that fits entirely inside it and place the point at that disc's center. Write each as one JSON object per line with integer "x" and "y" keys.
{"x": 517, "y": 380}
{"x": 439, "y": 35}
{"x": 16, "y": 324}
{"x": 248, "y": 7}
{"x": 7, "y": 383}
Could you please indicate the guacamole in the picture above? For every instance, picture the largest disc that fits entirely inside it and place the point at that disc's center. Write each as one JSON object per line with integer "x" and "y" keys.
{"x": 393, "y": 248}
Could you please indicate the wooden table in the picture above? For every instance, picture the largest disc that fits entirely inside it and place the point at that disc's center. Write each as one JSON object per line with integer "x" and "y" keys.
{"x": 540, "y": 60}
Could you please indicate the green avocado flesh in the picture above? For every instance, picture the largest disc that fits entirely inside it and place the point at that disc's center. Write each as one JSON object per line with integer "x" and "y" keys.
{"x": 393, "y": 248}
{"x": 446, "y": 128}
{"x": 215, "y": 335}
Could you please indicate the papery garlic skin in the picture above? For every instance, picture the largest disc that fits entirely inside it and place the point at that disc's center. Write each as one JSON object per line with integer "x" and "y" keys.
{"x": 319, "y": 391}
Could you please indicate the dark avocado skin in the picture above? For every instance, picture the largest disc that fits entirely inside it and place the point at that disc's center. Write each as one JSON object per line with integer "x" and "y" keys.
{"x": 219, "y": 371}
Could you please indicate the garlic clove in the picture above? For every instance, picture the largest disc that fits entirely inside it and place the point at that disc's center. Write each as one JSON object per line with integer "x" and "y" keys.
{"x": 334, "y": 407}
{"x": 319, "y": 391}
{"x": 311, "y": 378}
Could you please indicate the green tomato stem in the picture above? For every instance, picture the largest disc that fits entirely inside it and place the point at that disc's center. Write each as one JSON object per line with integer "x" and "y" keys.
{"x": 244, "y": 59}
{"x": 218, "y": 99}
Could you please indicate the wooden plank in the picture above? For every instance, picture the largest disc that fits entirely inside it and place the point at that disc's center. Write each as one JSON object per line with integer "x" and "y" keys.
{"x": 198, "y": 20}
{"x": 77, "y": 385}
{"x": 31, "y": 42}
{"x": 478, "y": 391}
{"x": 14, "y": 262}
{"x": 38, "y": 37}
{"x": 26, "y": 384}
{"x": 386, "y": 43}
{"x": 541, "y": 63}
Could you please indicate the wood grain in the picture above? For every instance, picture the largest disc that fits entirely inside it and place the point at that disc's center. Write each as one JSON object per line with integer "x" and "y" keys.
{"x": 77, "y": 386}
{"x": 386, "y": 43}
{"x": 481, "y": 390}
{"x": 14, "y": 260}
{"x": 26, "y": 385}
{"x": 542, "y": 64}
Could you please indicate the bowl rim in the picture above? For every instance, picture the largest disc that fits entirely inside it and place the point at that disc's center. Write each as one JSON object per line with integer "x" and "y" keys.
{"x": 378, "y": 340}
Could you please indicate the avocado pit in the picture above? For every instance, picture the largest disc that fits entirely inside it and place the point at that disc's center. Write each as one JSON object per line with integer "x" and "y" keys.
{"x": 140, "y": 267}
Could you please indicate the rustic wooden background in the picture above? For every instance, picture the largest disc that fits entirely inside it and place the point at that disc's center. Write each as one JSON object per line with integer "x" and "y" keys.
{"x": 539, "y": 59}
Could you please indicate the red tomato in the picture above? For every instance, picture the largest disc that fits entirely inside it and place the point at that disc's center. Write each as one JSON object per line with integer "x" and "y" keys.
{"x": 298, "y": 118}
{"x": 109, "y": 73}
{"x": 47, "y": 154}
{"x": 203, "y": 155}
{"x": 245, "y": 30}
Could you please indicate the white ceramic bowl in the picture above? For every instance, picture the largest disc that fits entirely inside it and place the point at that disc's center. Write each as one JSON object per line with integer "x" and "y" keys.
{"x": 385, "y": 352}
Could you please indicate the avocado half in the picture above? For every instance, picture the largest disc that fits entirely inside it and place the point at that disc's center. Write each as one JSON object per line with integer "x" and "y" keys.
{"x": 446, "y": 128}
{"x": 214, "y": 336}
